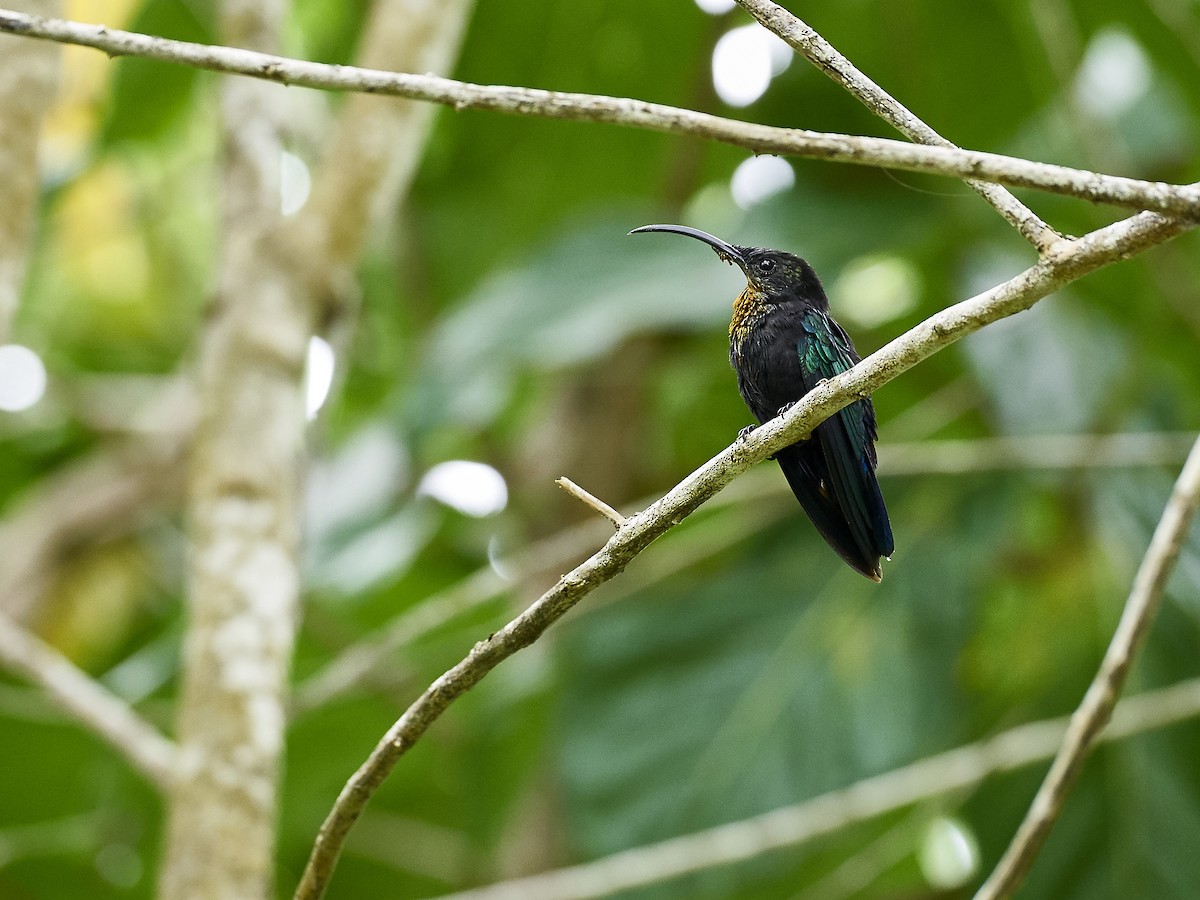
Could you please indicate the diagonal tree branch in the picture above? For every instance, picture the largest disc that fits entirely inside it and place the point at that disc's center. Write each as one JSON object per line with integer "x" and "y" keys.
{"x": 88, "y": 701}
{"x": 790, "y": 826}
{"x": 374, "y": 654}
{"x": 1093, "y": 713}
{"x": 1066, "y": 261}
{"x": 367, "y": 659}
{"x": 1181, "y": 200}
{"x": 808, "y": 43}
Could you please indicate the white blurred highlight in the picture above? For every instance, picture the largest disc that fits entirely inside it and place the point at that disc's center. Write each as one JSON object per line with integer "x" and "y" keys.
{"x": 22, "y": 378}
{"x": 876, "y": 288}
{"x": 318, "y": 375}
{"x": 759, "y": 178}
{"x": 1114, "y": 75}
{"x": 716, "y": 7}
{"x": 473, "y": 488}
{"x": 498, "y": 559}
{"x": 295, "y": 183}
{"x": 949, "y": 854}
{"x": 744, "y": 61}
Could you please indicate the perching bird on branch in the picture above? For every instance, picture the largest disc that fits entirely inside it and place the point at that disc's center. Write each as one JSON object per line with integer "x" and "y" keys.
{"x": 783, "y": 343}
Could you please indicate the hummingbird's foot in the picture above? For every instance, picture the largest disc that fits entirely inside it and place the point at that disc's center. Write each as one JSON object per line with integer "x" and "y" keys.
{"x": 781, "y": 411}
{"x": 745, "y": 433}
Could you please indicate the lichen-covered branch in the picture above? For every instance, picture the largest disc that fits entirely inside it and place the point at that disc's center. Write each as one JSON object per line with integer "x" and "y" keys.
{"x": 809, "y": 44}
{"x": 1181, "y": 200}
{"x": 361, "y": 663}
{"x": 1064, "y": 262}
{"x": 243, "y": 511}
{"x": 1089, "y": 719}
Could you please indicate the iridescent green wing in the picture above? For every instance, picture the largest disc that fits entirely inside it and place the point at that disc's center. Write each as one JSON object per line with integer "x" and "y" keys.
{"x": 847, "y": 438}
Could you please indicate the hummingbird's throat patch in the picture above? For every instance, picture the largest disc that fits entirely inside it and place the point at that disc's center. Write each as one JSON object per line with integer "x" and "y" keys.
{"x": 747, "y": 308}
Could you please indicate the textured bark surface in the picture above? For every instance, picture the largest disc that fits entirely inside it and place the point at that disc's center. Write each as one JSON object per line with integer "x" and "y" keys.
{"x": 243, "y": 512}
{"x": 28, "y": 79}
{"x": 276, "y": 279}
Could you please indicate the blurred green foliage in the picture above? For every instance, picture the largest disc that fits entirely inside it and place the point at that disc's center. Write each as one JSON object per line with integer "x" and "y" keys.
{"x": 508, "y": 319}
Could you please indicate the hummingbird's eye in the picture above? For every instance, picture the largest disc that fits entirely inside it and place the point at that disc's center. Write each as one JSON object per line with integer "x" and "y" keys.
{"x": 766, "y": 265}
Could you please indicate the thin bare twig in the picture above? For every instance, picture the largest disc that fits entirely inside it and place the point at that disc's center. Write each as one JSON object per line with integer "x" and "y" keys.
{"x": 1181, "y": 200}
{"x": 88, "y": 701}
{"x": 809, "y": 44}
{"x": 859, "y": 871}
{"x": 1093, "y": 713}
{"x": 591, "y": 500}
{"x": 790, "y": 826}
{"x": 1065, "y": 262}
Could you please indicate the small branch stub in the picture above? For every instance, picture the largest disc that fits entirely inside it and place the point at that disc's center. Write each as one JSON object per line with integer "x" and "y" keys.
{"x": 591, "y": 500}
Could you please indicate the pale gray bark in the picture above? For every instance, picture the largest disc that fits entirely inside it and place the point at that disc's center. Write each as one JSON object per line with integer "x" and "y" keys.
{"x": 243, "y": 511}
{"x": 277, "y": 278}
{"x": 28, "y": 79}
{"x": 370, "y": 158}
{"x": 372, "y": 155}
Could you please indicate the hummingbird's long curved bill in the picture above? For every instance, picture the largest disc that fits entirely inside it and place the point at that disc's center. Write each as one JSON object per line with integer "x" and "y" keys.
{"x": 728, "y": 252}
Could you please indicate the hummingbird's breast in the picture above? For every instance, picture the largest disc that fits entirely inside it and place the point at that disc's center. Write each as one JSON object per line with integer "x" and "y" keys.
{"x": 748, "y": 311}
{"x": 764, "y": 341}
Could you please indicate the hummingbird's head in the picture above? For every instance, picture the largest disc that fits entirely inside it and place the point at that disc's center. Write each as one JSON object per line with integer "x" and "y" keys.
{"x": 778, "y": 276}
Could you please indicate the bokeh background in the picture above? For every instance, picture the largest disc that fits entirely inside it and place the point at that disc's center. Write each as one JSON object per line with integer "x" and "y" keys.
{"x": 510, "y": 332}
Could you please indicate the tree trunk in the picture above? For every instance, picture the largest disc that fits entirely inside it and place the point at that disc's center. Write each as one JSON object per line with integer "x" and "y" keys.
{"x": 243, "y": 511}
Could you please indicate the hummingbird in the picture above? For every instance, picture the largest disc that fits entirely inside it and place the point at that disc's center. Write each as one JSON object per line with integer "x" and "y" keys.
{"x": 783, "y": 343}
